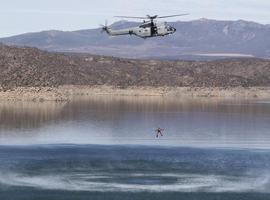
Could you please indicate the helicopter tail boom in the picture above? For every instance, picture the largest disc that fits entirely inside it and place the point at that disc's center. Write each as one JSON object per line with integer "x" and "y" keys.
{"x": 111, "y": 32}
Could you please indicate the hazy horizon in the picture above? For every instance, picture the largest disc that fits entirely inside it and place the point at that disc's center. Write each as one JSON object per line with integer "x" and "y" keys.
{"x": 17, "y": 17}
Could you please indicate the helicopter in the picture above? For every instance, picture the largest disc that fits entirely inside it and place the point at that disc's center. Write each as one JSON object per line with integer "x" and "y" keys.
{"x": 149, "y": 28}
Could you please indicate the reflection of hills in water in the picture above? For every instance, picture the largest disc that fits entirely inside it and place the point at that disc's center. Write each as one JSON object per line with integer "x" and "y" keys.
{"x": 34, "y": 115}
{"x": 28, "y": 114}
{"x": 133, "y": 120}
{"x": 168, "y": 104}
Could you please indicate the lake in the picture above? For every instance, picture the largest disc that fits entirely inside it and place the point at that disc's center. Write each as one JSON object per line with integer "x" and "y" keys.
{"x": 106, "y": 148}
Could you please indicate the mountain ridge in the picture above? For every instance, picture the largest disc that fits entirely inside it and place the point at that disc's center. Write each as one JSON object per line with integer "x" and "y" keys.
{"x": 31, "y": 67}
{"x": 203, "y": 36}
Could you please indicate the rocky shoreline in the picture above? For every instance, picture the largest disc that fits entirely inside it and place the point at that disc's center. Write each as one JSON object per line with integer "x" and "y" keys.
{"x": 68, "y": 93}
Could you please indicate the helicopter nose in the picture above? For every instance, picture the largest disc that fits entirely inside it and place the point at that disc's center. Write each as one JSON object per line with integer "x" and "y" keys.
{"x": 174, "y": 29}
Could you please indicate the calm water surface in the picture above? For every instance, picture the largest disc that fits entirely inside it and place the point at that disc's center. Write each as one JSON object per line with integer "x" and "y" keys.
{"x": 105, "y": 148}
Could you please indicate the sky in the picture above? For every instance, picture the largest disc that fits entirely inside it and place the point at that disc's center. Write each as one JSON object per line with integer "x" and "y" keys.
{"x": 22, "y": 16}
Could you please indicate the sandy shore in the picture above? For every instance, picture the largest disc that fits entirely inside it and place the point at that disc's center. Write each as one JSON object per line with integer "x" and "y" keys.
{"x": 66, "y": 93}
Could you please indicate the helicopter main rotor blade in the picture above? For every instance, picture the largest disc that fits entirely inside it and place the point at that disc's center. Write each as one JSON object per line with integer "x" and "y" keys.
{"x": 130, "y": 17}
{"x": 172, "y": 16}
{"x": 151, "y": 17}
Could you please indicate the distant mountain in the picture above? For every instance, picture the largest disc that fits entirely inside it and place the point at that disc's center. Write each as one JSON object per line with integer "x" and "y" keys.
{"x": 31, "y": 67}
{"x": 199, "y": 39}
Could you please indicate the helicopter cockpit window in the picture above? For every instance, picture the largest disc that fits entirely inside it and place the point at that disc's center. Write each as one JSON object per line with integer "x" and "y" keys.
{"x": 169, "y": 28}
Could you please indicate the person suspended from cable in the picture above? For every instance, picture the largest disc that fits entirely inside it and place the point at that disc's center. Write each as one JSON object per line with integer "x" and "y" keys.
{"x": 159, "y": 131}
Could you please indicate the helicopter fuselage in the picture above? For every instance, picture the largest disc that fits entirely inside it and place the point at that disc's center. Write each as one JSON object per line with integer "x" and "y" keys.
{"x": 145, "y": 30}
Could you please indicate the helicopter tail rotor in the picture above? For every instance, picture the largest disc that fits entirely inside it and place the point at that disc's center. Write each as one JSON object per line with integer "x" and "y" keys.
{"x": 104, "y": 28}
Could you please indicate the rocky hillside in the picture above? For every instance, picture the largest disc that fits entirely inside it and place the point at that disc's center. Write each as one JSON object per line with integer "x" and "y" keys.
{"x": 200, "y": 39}
{"x": 33, "y": 67}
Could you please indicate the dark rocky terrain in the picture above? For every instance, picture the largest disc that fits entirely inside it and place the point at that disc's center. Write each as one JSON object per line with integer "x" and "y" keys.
{"x": 192, "y": 40}
{"x": 32, "y": 67}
